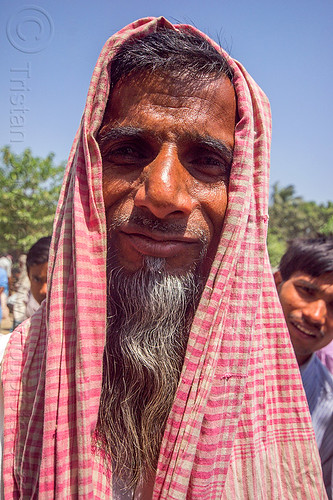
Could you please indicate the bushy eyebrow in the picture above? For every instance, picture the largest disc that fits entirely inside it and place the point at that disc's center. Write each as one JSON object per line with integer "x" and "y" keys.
{"x": 116, "y": 133}
{"x": 206, "y": 141}
{"x": 319, "y": 289}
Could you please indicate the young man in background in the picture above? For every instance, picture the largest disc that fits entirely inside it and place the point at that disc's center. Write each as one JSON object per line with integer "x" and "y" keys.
{"x": 305, "y": 286}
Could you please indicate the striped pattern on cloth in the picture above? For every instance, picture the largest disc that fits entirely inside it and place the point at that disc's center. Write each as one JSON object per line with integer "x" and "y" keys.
{"x": 318, "y": 386}
{"x": 239, "y": 427}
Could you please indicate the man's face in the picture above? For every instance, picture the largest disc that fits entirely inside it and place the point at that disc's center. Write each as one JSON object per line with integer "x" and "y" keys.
{"x": 307, "y": 303}
{"x": 167, "y": 152}
{"x": 37, "y": 276}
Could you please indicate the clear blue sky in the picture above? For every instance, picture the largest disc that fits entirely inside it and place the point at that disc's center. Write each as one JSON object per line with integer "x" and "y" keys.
{"x": 286, "y": 45}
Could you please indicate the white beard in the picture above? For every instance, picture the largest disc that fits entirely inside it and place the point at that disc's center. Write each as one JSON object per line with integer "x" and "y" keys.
{"x": 150, "y": 313}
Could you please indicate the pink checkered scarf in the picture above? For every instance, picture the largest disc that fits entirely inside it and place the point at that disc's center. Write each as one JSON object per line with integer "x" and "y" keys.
{"x": 239, "y": 427}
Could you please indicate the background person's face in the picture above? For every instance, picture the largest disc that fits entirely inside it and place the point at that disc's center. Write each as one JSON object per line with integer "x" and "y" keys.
{"x": 38, "y": 285}
{"x": 167, "y": 153}
{"x": 307, "y": 303}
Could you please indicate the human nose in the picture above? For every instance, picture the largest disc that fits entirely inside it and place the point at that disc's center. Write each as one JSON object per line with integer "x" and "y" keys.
{"x": 315, "y": 312}
{"x": 43, "y": 289}
{"x": 164, "y": 189}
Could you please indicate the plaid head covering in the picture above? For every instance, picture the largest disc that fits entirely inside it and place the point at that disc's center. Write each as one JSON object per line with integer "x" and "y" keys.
{"x": 239, "y": 427}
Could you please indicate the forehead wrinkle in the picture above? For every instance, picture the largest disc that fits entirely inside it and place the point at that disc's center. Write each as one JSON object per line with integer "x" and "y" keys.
{"x": 178, "y": 101}
{"x": 182, "y": 97}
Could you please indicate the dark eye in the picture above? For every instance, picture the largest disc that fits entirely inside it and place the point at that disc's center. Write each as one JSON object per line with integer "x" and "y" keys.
{"x": 210, "y": 167}
{"x": 305, "y": 290}
{"x": 124, "y": 154}
{"x": 206, "y": 162}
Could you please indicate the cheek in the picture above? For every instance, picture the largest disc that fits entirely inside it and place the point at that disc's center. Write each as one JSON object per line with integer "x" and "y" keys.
{"x": 114, "y": 192}
{"x": 330, "y": 325}
{"x": 118, "y": 202}
{"x": 214, "y": 206}
{"x": 35, "y": 289}
{"x": 290, "y": 302}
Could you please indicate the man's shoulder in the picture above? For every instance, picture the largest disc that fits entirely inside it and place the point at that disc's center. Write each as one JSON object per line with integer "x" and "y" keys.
{"x": 324, "y": 374}
{"x": 320, "y": 381}
{"x": 322, "y": 416}
{"x": 314, "y": 366}
{"x": 317, "y": 382}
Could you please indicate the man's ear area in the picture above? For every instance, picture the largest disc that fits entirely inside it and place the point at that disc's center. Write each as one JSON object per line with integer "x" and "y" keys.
{"x": 278, "y": 279}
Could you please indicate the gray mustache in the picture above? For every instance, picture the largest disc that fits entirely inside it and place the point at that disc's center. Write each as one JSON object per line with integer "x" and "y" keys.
{"x": 156, "y": 225}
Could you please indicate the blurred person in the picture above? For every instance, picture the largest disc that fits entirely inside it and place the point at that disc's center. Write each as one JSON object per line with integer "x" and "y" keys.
{"x": 159, "y": 365}
{"x": 32, "y": 283}
{"x": 6, "y": 264}
{"x": 19, "y": 299}
{"x": 305, "y": 286}
{"x": 37, "y": 260}
{"x": 3, "y": 291}
{"x": 22, "y": 266}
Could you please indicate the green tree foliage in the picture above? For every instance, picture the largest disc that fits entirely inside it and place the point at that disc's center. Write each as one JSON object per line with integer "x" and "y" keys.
{"x": 29, "y": 190}
{"x": 290, "y": 217}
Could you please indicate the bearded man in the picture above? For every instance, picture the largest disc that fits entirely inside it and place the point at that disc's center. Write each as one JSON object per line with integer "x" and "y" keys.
{"x": 160, "y": 365}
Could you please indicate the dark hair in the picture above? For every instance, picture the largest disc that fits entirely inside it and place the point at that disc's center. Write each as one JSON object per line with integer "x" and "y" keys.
{"x": 39, "y": 252}
{"x": 177, "y": 53}
{"x": 313, "y": 256}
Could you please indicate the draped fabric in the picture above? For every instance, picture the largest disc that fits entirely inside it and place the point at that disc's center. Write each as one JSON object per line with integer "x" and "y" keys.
{"x": 239, "y": 427}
